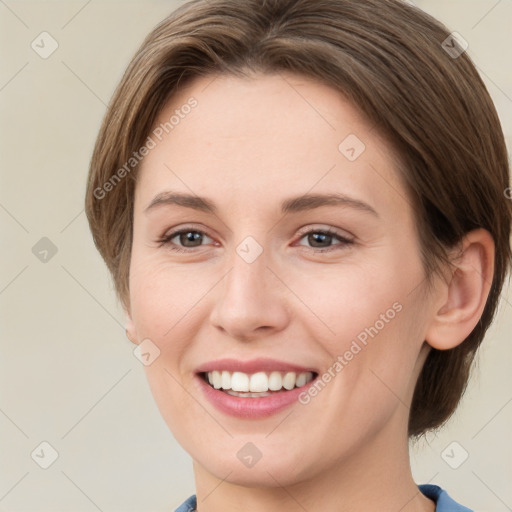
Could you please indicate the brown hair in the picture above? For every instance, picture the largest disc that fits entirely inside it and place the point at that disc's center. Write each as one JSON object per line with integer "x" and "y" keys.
{"x": 391, "y": 61}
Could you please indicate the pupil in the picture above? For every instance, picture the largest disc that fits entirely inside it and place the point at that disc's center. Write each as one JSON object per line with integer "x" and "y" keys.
{"x": 190, "y": 236}
{"x": 322, "y": 237}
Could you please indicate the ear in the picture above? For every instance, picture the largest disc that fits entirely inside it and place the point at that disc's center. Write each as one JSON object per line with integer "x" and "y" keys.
{"x": 131, "y": 332}
{"x": 463, "y": 296}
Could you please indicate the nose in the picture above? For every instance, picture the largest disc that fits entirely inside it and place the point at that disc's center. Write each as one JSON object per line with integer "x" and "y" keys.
{"x": 251, "y": 300}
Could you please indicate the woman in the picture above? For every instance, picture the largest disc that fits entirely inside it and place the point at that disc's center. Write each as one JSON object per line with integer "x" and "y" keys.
{"x": 302, "y": 207}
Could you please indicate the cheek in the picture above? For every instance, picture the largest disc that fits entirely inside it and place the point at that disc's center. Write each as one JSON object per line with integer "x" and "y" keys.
{"x": 164, "y": 297}
{"x": 373, "y": 317}
{"x": 351, "y": 302}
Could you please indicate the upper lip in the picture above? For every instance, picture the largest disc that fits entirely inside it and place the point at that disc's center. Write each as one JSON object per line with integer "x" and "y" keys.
{"x": 252, "y": 366}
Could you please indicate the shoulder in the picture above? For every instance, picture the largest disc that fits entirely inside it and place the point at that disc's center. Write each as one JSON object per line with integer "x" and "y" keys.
{"x": 188, "y": 506}
{"x": 443, "y": 501}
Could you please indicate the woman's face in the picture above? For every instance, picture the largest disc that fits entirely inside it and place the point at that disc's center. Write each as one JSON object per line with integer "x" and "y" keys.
{"x": 302, "y": 258}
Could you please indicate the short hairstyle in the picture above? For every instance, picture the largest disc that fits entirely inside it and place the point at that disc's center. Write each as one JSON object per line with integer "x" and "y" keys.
{"x": 398, "y": 66}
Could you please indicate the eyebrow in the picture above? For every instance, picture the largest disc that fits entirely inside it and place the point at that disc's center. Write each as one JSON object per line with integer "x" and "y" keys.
{"x": 291, "y": 205}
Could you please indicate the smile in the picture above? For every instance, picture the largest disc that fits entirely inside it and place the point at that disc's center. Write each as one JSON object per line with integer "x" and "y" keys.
{"x": 257, "y": 384}
{"x": 253, "y": 389}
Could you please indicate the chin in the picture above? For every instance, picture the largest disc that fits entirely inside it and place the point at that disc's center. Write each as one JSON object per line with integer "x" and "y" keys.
{"x": 275, "y": 471}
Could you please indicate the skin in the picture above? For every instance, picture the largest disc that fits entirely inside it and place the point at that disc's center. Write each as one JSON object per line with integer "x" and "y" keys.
{"x": 248, "y": 145}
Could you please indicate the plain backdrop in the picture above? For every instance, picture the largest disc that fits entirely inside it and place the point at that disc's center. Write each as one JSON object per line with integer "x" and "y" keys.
{"x": 68, "y": 374}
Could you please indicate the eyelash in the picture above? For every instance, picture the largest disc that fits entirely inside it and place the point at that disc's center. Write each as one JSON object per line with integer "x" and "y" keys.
{"x": 166, "y": 240}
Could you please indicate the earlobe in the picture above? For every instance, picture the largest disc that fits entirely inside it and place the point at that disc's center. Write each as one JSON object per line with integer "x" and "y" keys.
{"x": 464, "y": 295}
{"x": 131, "y": 332}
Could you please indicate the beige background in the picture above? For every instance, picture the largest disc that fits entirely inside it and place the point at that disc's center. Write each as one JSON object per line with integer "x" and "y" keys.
{"x": 68, "y": 374}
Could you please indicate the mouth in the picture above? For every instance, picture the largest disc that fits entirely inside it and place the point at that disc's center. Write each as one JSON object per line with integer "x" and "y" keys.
{"x": 253, "y": 389}
{"x": 256, "y": 385}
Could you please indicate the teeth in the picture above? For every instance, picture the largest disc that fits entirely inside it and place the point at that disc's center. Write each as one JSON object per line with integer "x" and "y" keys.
{"x": 257, "y": 384}
{"x": 226, "y": 380}
{"x": 289, "y": 380}
{"x": 239, "y": 381}
{"x": 247, "y": 395}
{"x": 301, "y": 380}
{"x": 216, "y": 380}
{"x": 275, "y": 381}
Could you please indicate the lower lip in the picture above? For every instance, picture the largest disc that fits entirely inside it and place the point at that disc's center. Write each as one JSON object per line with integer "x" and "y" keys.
{"x": 251, "y": 408}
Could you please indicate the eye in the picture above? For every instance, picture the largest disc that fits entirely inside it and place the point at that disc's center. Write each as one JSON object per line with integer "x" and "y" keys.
{"x": 188, "y": 239}
{"x": 184, "y": 236}
{"x": 321, "y": 240}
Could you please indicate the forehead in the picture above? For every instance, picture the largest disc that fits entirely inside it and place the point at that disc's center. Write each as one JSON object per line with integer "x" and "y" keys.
{"x": 253, "y": 141}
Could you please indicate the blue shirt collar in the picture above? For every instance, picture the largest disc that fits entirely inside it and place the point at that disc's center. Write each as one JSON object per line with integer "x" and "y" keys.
{"x": 443, "y": 501}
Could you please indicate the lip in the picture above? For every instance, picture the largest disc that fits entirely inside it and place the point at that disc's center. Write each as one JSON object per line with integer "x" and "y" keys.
{"x": 252, "y": 366}
{"x": 251, "y": 408}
